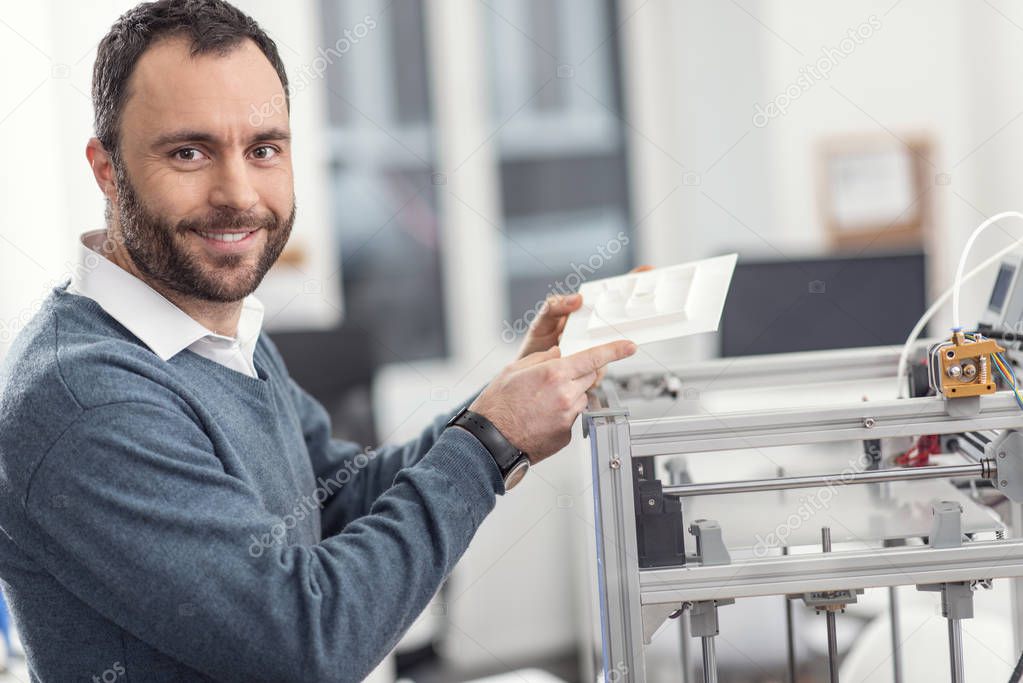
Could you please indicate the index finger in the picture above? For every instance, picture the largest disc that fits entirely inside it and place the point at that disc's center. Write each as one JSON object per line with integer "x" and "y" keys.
{"x": 590, "y": 360}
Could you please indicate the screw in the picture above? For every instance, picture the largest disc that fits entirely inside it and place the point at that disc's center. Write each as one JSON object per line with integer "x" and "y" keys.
{"x": 1001, "y": 454}
{"x": 651, "y": 502}
{"x": 616, "y": 463}
{"x": 869, "y": 422}
{"x": 1003, "y": 483}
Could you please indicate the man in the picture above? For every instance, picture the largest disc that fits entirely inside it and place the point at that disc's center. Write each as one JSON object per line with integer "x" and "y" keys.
{"x": 173, "y": 505}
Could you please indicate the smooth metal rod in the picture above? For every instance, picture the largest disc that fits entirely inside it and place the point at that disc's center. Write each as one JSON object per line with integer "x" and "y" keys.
{"x": 867, "y": 477}
{"x": 710, "y": 660}
{"x": 688, "y": 664}
{"x": 955, "y": 650}
{"x": 893, "y": 611}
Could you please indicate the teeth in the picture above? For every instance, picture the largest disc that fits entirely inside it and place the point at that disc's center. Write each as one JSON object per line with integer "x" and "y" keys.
{"x": 221, "y": 237}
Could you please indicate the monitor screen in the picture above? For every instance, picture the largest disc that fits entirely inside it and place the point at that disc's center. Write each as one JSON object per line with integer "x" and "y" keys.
{"x": 809, "y": 304}
{"x": 1001, "y": 287}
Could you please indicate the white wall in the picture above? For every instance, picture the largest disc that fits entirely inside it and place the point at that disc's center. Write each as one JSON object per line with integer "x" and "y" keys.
{"x": 910, "y": 76}
{"x": 699, "y": 170}
{"x": 34, "y": 178}
{"x": 696, "y": 71}
{"x": 993, "y": 53}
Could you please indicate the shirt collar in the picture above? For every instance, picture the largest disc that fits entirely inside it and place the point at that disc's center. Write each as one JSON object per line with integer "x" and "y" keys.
{"x": 156, "y": 321}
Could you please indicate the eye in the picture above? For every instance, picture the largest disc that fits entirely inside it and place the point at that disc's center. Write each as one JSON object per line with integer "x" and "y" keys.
{"x": 265, "y": 152}
{"x": 186, "y": 154}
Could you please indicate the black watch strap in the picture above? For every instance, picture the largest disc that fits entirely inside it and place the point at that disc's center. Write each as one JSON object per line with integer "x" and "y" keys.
{"x": 509, "y": 459}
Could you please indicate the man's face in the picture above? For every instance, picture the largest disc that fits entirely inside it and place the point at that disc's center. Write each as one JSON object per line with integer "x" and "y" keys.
{"x": 205, "y": 190}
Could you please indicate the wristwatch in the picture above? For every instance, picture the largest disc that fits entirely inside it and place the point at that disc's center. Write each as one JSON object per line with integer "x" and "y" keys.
{"x": 512, "y": 462}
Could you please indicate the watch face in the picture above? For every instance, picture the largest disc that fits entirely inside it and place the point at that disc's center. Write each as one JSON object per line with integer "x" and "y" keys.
{"x": 516, "y": 474}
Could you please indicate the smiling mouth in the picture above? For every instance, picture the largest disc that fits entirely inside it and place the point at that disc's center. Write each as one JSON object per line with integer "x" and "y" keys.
{"x": 225, "y": 236}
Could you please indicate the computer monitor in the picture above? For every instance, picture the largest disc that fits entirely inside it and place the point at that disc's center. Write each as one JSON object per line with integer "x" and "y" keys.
{"x": 336, "y": 367}
{"x": 779, "y": 306}
{"x": 1004, "y": 310}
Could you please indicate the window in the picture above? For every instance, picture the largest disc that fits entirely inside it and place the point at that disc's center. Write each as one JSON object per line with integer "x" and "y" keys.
{"x": 384, "y": 205}
{"x": 561, "y": 146}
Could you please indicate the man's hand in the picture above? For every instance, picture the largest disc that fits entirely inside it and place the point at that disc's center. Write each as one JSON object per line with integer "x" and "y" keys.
{"x": 535, "y": 400}
{"x": 546, "y": 330}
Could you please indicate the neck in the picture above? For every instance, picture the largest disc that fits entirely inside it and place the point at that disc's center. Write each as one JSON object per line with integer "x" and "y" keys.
{"x": 219, "y": 317}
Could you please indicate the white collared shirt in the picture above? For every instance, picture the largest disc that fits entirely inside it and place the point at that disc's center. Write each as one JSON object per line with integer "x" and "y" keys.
{"x": 162, "y": 326}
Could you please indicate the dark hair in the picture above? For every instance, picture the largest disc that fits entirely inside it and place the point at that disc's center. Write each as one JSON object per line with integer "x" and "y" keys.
{"x": 214, "y": 26}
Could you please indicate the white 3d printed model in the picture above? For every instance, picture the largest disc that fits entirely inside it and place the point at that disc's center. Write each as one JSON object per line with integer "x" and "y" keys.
{"x": 649, "y": 306}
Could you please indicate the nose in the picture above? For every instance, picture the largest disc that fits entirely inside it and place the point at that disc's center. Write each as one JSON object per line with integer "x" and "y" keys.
{"x": 233, "y": 189}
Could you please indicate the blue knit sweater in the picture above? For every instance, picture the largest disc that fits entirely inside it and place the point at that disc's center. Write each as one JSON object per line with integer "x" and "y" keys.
{"x": 180, "y": 521}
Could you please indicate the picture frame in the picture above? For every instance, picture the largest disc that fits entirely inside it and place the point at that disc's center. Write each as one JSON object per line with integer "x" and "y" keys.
{"x": 874, "y": 190}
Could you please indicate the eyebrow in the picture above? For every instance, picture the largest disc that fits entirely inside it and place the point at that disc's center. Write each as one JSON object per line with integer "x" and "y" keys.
{"x": 189, "y": 135}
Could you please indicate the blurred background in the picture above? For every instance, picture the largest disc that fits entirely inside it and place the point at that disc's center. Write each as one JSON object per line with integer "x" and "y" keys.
{"x": 459, "y": 160}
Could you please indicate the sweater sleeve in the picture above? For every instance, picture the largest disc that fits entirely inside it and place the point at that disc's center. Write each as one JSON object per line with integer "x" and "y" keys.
{"x": 366, "y": 473}
{"x": 140, "y": 521}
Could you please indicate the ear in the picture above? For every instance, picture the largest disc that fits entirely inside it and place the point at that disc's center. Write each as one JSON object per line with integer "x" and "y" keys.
{"x": 102, "y": 168}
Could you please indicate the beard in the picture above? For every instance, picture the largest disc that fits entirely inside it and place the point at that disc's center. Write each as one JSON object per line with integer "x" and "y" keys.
{"x": 158, "y": 248}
